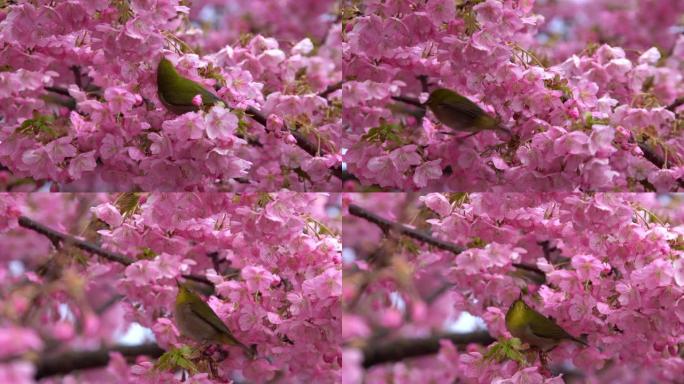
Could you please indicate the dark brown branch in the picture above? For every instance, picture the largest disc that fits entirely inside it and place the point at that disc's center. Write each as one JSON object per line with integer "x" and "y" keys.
{"x": 199, "y": 279}
{"x": 387, "y": 225}
{"x": 655, "y": 159}
{"x": 77, "y": 75}
{"x": 677, "y": 103}
{"x": 409, "y": 100}
{"x": 424, "y": 85}
{"x": 58, "y": 90}
{"x": 438, "y": 292}
{"x": 650, "y": 155}
{"x": 66, "y": 362}
{"x": 58, "y": 238}
{"x": 331, "y": 89}
{"x": 104, "y": 307}
{"x": 398, "y": 350}
{"x": 302, "y": 141}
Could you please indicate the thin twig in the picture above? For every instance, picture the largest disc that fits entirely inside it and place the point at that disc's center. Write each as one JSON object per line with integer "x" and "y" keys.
{"x": 655, "y": 159}
{"x": 302, "y": 141}
{"x": 677, "y": 103}
{"x": 77, "y": 75}
{"x": 102, "y": 308}
{"x": 438, "y": 292}
{"x": 424, "y": 85}
{"x": 58, "y": 90}
{"x": 331, "y": 89}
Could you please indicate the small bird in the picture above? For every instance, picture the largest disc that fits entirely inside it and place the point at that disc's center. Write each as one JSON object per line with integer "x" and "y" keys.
{"x": 535, "y": 329}
{"x": 196, "y": 319}
{"x": 459, "y": 113}
{"x": 176, "y": 92}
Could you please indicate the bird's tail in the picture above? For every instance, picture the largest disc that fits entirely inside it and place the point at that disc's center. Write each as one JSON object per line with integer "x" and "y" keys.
{"x": 228, "y": 339}
{"x": 580, "y": 341}
{"x": 504, "y": 130}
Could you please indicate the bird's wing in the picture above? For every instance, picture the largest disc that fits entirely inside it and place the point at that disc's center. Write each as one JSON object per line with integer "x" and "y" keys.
{"x": 184, "y": 90}
{"x": 207, "y": 315}
{"x": 464, "y": 106}
{"x": 543, "y": 327}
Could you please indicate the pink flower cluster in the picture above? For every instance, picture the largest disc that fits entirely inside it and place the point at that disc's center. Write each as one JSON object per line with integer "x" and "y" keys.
{"x": 613, "y": 270}
{"x": 278, "y": 283}
{"x": 581, "y": 121}
{"x": 80, "y": 107}
{"x": 639, "y": 25}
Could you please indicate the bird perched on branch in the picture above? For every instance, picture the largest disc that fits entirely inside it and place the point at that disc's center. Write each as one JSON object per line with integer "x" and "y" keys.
{"x": 196, "y": 319}
{"x": 535, "y": 329}
{"x": 177, "y": 92}
{"x": 459, "y": 113}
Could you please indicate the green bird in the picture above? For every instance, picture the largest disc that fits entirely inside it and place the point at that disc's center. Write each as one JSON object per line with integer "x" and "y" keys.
{"x": 176, "y": 92}
{"x": 459, "y": 113}
{"x": 535, "y": 329}
{"x": 196, "y": 320}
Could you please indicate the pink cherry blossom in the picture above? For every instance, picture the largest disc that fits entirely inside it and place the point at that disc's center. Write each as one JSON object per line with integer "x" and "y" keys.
{"x": 604, "y": 266}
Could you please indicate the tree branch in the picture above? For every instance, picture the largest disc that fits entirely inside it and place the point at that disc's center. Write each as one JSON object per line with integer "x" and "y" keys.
{"x": 409, "y": 100}
{"x": 302, "y": 141}
{"x": 654, "y": 158}
{"x": 677, "y": 103}
{"x": 400, "y": 349}
{"x": 66, "y": 362}
{"x": 387, "y": 225}
{"x": 57, "y": 238}
{"x": 331, "y": 89}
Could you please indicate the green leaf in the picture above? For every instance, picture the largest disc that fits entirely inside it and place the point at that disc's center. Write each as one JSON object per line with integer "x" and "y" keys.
{"x": 264, "y": 198}
{"x": 146, "y": 253}
{"x": 39, "y": 124}
{"x": 177, "y": 358}
{"x": 302, "y": 174}
{"x": 409, "y": 246}
{"x": 128, "y": 203}
{"x": 508, "y": 349}
{"x": 384, "y": 133}
{"x": 476, "y": 242}
{"x": 458, "y": 198}
{"x": 559, "y": 84}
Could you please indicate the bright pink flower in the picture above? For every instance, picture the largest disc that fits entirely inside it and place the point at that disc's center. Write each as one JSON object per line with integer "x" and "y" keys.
{"x": 221, "y": 123}
{"x": 120, "y": 100}
{"x": 16, "y": 341}
{"x": 327, "y": 284}
{"x": 258, "y": 279}
{"x": 9, "y": 212}
{"x": 441, "y": 11}
{"x": 109, "y": 214}
{"x": 425, "y": 172}
{"x": 588, "y": 267}
{"x": 84, "y": 162}
{"x": 437, "y": 202}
